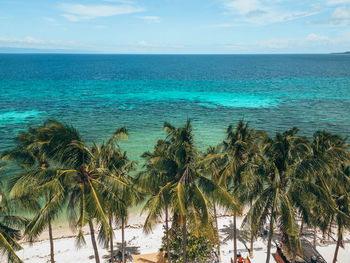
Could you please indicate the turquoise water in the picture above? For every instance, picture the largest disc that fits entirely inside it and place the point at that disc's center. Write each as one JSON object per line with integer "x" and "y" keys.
{"x": 99, "y": 93}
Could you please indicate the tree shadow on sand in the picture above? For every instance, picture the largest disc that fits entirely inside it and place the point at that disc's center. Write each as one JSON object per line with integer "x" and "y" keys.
{"x": 242, "y": 235}
{"x": 129, "y": 250}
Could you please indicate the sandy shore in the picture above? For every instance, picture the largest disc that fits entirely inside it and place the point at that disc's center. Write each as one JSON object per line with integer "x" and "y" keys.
{"x": 138, "y": 242}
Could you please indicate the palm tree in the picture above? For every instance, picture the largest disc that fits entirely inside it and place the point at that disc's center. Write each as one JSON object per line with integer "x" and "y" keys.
{"x": 342, "y": 200}
{"x": 213, "y": 163}
{"x": 10, "y": 226}
{"x": 114, "y": 162}
{"x": 238, "y": 150}
{"x": 238, "y": 147}
{"x": 128, "y": 197}
{"x": 191, "y": 188}
{"x": 156, "y": 181}
{"x": 274, "y": 201}
{"x": 30, "y": 154}
{"x": 85, "y": 178}
{"x": 326, "y": 154}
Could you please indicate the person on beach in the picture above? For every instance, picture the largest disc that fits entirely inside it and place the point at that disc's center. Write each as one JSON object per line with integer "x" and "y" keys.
{"x": 240, "y": 259}
{"x": 120, "y": 256}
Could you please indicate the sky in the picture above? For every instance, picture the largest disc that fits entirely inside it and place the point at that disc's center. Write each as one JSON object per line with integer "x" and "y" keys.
{"x": 177, "y": 26}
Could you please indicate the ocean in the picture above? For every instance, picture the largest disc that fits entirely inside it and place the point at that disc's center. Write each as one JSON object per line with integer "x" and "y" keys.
{"x": 99, "y": 93}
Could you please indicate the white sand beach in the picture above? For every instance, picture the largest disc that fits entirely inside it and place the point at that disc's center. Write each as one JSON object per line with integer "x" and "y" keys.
{"x": 138, "y": 242}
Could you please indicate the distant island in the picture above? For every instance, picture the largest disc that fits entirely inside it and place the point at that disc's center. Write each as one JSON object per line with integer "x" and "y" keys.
{"x": 342, "y": 53}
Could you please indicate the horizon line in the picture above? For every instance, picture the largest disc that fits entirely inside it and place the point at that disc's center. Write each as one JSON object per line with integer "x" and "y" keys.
{"x": 167, "y": 54}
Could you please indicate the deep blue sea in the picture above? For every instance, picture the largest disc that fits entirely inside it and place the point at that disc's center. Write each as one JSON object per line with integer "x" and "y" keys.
{"x": 99, "y": 93}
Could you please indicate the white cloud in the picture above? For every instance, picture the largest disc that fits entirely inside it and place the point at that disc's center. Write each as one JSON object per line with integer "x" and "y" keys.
{"x": 236, "y": 46}
{"x": 315, "y": 37}
{"x": 276, "y": 43}
{"x": 243, "y": 6}
{"x": 263, "y": 12}
{"x": 153, "y": 19}
{"x": 77, "y": 12}
{"x": 337, "y": 2}
{"x": 27, "y": 40}
{"x": 146, "y": 44}
{"x": 31, "y": 42}
{"x": 341, "y": 15}
{"x": 71, "y": 18}
{"x": 312, "y": 40}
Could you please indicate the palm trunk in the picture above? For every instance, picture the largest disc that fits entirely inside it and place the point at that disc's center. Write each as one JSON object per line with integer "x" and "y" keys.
{"x": 111, "y": 239}
{"x": 93, "y": 241}
{"x": 52, "y": 251}
{"x": 184, "y": 230}
{"x": 234, "y": 237}
{"x": 301, "y": 228}
{"x": 337, "y": 247}
{"x": 123, "y": 240}
{"x": 217, "y": 234}
{"x": 314, "y": 241}
{"x": 167, "y": 233}
{"x": 269, "y": 240}
{"x": 251, "y": 251}
{"x": 252, "y": 237}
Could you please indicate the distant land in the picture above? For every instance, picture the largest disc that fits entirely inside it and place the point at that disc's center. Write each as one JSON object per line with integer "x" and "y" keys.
{"x": 342, "y": 53}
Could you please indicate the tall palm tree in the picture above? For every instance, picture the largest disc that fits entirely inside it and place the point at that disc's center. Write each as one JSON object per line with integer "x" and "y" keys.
{"x": 238, "y": 146}
{"x": 129, "y": 197}
{"x": 113, "y": 161}
{"x": 213, "y": 164}
{"x": 274, "y": 202}
{"x": 342, "y": 200}
{"x": 238, "y": 149}
{"x": 156, "y": 182}
{"x": 319, "y": 171}
{"x": 30, "y": 154}
{"x": 191, "y": 188}
{"x": 85, "y": 178}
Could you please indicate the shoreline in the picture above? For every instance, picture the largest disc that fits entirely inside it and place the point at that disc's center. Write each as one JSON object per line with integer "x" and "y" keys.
{"x": 140, "y": 243}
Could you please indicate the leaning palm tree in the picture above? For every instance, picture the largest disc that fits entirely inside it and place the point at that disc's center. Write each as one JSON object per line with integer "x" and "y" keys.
{"x": 30, "y": 184}
{"x": 10, "y": 226}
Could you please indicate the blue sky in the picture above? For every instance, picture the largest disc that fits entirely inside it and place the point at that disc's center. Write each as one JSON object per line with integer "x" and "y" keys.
{"x": 177, "y": 26}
